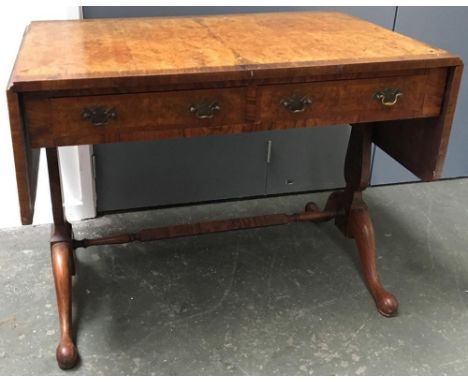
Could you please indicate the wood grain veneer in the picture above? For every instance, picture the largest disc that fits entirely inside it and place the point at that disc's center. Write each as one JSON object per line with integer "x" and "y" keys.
{"x": 115, "y": 52}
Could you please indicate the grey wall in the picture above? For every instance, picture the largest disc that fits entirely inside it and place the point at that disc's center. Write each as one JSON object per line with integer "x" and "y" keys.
{"x": 213, "y": 168}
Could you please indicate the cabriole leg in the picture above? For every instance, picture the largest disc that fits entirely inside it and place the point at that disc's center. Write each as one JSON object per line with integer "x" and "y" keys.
{"x": 361, "y": 228}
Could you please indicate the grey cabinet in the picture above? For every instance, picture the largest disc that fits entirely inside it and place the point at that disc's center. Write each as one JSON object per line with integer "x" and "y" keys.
{"x": 444, "y": 27}
{"x": 142, "y": 174}
{"x": 307, "y": 159}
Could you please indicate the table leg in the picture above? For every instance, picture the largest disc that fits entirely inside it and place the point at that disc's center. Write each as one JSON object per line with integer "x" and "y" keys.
{"x": 354, "y": 219}
{"x": 361, "y": 229}
{"x": 352, "y": 215}
{"x": 62, "y": 265}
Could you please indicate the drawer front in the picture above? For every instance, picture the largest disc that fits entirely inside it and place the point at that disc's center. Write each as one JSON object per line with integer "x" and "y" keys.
{"x": 110, "y": 118}
{"x": 96, "y": 119}
{"x": 349, "y": 101}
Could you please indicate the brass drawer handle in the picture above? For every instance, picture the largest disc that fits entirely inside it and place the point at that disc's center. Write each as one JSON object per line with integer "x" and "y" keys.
{"x": 205, "y": 110}
{"x": 99, "y": 115}
{"x": 296, "y": 103}
{"x": 388, "y": 97}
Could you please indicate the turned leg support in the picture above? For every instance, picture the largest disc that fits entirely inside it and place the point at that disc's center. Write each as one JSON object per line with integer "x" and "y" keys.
{"x": 352, "y": 215}
{"x": 63, "y": 265}
{"x": 62, "y": 260}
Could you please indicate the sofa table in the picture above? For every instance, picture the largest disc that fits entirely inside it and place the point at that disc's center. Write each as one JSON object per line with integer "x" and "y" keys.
{"x": 120, "y": 80}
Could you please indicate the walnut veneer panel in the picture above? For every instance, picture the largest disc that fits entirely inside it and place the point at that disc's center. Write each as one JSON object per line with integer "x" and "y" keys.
{"x": 144, "y": 111}
{"x": 351, "y": 101}
{"x": 242, "y": 44}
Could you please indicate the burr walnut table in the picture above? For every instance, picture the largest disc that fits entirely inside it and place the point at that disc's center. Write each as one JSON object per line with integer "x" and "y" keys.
{"x": 105, "y": 81}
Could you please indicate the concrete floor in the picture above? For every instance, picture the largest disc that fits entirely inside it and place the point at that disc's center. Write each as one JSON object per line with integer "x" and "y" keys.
{"x": 285, "y": 300}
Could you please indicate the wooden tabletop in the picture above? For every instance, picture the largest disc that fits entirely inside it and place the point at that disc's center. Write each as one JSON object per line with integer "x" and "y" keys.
{"x": 112, "y": 48}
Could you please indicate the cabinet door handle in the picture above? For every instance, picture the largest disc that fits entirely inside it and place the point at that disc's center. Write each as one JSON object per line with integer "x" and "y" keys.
{"x": 388, "y": 97}
{"x": 205, "y": 110}
{"x": 296, "y": 103}
{"x": 99, "y": 115}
